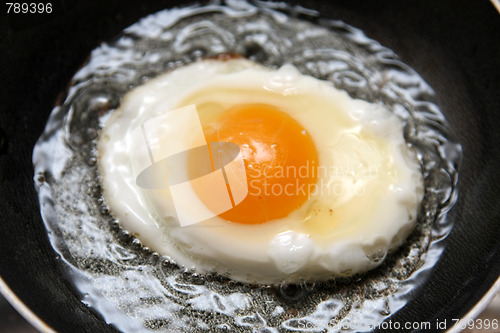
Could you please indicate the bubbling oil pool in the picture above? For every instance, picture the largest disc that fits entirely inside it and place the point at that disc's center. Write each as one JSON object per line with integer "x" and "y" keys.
{"x": 133, "y": 288}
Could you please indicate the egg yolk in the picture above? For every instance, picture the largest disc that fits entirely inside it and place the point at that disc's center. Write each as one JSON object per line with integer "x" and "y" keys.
{"x": 279, "y": 156}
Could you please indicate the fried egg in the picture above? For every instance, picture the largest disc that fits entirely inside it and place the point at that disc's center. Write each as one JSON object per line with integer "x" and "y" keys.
{"x": 262, "y": 175}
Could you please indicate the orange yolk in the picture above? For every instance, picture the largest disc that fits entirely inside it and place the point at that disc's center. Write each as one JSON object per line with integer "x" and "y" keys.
{"x": 279, "y": 155}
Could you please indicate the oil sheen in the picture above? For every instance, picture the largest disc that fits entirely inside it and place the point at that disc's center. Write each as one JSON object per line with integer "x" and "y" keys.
{"x": 135, "y": 289}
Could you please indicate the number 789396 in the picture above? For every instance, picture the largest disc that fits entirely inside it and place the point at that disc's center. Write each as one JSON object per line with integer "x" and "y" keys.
{"x": 31, "y": 8}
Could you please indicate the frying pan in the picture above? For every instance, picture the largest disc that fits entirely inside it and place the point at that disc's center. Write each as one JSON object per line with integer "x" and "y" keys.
{"x": 454, "y": 45}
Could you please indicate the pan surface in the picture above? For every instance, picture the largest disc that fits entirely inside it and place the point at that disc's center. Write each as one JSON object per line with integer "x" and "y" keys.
{"x": 451, "y": 44}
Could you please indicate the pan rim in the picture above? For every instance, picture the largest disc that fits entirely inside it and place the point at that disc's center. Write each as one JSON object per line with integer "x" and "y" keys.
{"x": 478, "y": 308}
{"x": 496, "y": 4}
{"x": 23, "y": 309}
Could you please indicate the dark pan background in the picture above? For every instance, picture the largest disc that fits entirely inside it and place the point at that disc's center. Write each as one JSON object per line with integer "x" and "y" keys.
{"x": 453, "y": 44}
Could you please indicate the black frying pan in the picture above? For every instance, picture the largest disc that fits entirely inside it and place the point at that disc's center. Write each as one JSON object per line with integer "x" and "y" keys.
{"x": 454, "y": 45}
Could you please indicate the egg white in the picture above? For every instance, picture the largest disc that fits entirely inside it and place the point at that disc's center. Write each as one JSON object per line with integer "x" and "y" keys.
{"x": 370, "y": 184}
